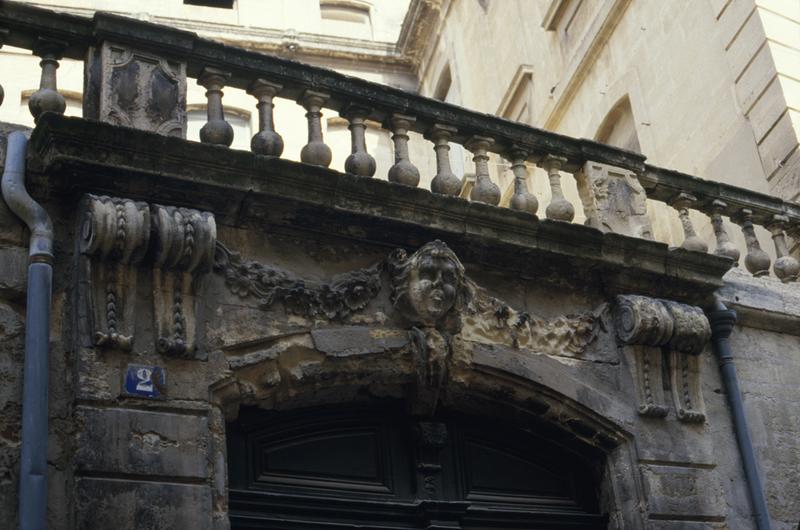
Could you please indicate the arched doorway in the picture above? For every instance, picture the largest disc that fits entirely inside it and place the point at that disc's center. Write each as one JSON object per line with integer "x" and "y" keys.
{"x": 376, "y": 466}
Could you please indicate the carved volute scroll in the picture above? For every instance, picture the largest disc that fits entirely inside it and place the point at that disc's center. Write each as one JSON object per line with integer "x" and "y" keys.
{"x": 692, "y": 333}
{"x": 725, "y": 247}
{"x": 315, "y": 151}
{"x": 645, "y": 325}
{"x": 403, "y": 171}
{"x": 184, "y": 250}
{"x": 485, "y": 190}
{"x": 658, "y": 331}
{"x": 559, "y": 209}
{"x": 216, "y": 131}
{"x": 522, "y": 200}
{"x": 445, "y": 181}
{"x": 266, "y": 141}
{"x": 47, "y": 98}
{"x": 691, "y": 241}
{"x": 360, "y": 162}
{"x": 113, "y": 240}
{"x": 756, "y": 261}
{"x": 786, "y": 267}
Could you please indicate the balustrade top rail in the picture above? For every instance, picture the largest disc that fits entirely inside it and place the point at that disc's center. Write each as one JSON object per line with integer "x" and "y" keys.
{"x": 54, "y": 35}
{"x": 25, "y": 26}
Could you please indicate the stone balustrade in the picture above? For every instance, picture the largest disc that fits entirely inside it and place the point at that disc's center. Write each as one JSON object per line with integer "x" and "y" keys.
{"x": 137, "y": 74}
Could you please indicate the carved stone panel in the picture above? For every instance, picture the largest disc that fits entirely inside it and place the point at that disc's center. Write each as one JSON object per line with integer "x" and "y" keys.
{"x": 136, "y": 89}
{"x": 613, "y": 200}
{"x": 184, "y": 250}
{"x": 113, "y": 240}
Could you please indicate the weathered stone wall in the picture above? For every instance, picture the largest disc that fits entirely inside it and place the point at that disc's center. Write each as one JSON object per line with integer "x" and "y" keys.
{"x": 13, "y": 270}
{"x": 121, "y": 459}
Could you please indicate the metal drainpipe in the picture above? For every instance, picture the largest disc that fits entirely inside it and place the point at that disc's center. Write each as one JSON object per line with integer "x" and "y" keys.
{"x": 722, "y": 321}
{"x": 33, "y": 460}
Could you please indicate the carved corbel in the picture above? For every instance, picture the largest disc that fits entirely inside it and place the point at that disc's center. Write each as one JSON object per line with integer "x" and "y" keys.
{"x": 113, "y": 240}
{"x": 644, "y": 325}
{"x": 692, "y": 333}
{"x": 657, "y": 332}
{"x": 185, "y": 241}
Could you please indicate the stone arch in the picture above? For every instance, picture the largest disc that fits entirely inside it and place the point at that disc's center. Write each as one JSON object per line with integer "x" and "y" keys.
{"x": 306, "y": 372}
{"x": 416, "y": 328}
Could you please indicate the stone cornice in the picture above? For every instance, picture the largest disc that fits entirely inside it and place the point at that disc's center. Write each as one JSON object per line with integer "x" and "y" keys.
{"x": 70, "y": 156}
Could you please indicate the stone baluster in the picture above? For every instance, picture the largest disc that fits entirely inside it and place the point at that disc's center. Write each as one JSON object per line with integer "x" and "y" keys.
{"x": 559, "y": 209}
{"x": 216, "y": 131}
{"x": 445, "y": 182}
{"x": 315, "y": 151}
{"x": 359, "y": 162}
{"x": 725, "y": 246}
{"x": 47, "y": 98}
{"x": 522, "y": 199}
{"x": 403, "y": 171}
{"x": 786, "y": 267}
{"x": 690, "y": 240}
{"x": 756, "y": 261}
{"x": 485, "y": 190}
{"x": 266, "y": 141}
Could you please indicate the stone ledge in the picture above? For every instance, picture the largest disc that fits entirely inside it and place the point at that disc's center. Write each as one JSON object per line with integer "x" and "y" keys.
{"x": 71, "y": 156}
{"x": 763, "y": 303}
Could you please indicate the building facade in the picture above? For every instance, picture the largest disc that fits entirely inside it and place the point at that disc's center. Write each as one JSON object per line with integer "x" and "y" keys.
{"x": 379, "y": 296}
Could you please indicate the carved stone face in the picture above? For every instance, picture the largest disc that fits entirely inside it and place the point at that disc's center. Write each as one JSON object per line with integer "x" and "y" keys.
{"x": 433, "y": 282}
{"x": 426, "y": 284}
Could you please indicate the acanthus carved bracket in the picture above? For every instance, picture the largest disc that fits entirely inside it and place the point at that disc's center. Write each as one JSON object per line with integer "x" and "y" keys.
{"x": 661, "y": 332}
{"x": 118, "y": 238}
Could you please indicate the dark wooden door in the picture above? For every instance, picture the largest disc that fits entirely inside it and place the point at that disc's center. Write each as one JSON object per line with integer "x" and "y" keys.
{"x": 376, "y": 467}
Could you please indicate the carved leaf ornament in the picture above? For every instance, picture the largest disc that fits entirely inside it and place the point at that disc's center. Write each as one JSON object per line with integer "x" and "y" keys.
{"x": 335, "y": 299}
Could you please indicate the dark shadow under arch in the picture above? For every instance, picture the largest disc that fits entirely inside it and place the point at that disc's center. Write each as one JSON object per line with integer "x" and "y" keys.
{"x": 375, "y": 465}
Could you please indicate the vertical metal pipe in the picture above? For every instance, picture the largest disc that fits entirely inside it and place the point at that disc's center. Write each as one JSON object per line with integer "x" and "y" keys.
{"x": 33, "y": 458}
{"x": 722, "y": 321}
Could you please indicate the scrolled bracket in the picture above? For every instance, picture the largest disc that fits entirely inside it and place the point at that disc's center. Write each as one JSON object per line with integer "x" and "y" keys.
{"x": 655, "y": 332}
{"x": 184, "y": 252}
{"x": 114, "y": 236}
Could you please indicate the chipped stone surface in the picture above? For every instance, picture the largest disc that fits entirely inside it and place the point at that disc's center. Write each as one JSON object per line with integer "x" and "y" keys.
{"x": 141, "y": 442}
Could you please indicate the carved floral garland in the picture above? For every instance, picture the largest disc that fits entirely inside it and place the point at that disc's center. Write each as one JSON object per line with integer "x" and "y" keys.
{"x": 335, "y": 299}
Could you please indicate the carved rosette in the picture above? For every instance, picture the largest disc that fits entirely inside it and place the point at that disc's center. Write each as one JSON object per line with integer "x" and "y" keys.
{"x": 658, "y": 332}
{"x": 113, "y": 241}
{"x": 184, "y": 251}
